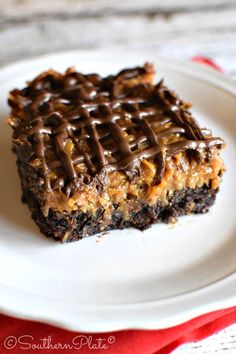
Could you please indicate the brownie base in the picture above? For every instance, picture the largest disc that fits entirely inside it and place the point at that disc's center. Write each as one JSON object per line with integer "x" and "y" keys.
{"x": 77, "y": 224}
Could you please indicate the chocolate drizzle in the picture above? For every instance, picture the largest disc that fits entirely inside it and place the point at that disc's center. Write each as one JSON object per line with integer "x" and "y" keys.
{"x": 112, "y": 123}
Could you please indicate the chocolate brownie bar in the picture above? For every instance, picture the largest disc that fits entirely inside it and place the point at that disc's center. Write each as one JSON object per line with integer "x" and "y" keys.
{"x": 96, "y": 154}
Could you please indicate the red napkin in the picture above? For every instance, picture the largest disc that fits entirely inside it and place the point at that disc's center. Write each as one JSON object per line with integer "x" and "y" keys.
{"x": 17, "y": 335}
{"x": 207, "y": 61}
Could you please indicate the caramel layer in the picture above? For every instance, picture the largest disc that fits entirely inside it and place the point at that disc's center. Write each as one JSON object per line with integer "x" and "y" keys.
{"x": 180, "y": 172}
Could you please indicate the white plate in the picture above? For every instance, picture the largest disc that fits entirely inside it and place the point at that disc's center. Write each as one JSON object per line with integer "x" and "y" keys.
{"x": 127, "y": 279}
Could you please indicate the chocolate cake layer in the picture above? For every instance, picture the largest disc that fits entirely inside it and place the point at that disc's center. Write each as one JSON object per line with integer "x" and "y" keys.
{"x": 77, "y": 225}
{"x": 92, "y": 148}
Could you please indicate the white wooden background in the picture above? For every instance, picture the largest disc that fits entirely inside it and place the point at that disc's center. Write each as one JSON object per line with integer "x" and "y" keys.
{"x": 171, "y": 28}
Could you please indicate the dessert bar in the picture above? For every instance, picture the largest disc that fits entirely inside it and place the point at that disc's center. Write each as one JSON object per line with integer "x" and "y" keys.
{"x": 99, "y": 153}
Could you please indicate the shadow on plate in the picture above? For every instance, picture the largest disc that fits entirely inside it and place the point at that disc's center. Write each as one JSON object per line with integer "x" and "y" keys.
{"x": 11, "y": 207}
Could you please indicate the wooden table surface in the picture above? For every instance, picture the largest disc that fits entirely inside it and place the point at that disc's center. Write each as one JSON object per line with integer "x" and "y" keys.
{"x": 171, "y": 28}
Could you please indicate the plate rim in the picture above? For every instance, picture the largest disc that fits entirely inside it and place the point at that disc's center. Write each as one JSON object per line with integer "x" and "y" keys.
{"x": 220, "y": 292}
{"x": 220, "y": 288}
{"x": 186, "y": 66}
